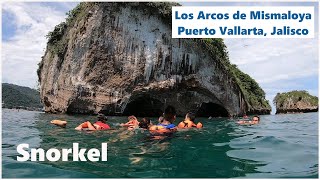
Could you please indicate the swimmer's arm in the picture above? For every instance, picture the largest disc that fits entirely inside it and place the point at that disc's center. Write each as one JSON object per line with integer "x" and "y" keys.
{"x": 124, "y": 125}
{"x": 244, "y": 122}
{"x": 193, "y": 125}
{"x": 93, "y": 127}
{"x": 81, "y": 126}
{"x": 86, "y": 124}
{"x": 130, "y": 123}
{"x": 241, "y": 122}
{"x": 199, "y": 125}
{"x": 180, "y": 125}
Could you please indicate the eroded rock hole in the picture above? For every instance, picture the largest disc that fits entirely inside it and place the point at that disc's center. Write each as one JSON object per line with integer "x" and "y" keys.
{"x": 144, "y": 107}
{"x": 212, "y": 109}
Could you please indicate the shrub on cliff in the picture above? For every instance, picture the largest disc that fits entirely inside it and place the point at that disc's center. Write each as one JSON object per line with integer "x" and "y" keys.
{"x": 56, "y": 35}
{"x": 57, "y": 42}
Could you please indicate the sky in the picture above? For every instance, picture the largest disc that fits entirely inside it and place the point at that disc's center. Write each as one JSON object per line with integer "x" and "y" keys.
{"x": 278, "y": 65}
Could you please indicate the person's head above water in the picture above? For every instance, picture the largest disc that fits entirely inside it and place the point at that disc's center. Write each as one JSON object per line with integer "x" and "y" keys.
{"x": 191, "y": 116}
{"x": 131, "y": 118}
{"x": 145, "y": 123}
{"x": 169, "y": 114}
{"x": 256, "y": 118}
{"x": 101, "y": 117}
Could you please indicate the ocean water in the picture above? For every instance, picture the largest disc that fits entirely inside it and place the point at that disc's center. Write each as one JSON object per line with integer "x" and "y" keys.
{"x": 281, "y": 146}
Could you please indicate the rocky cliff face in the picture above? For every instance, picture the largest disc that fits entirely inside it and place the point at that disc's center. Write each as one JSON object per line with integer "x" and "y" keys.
{"x": 295, "y": 102}
{"x": 120, "y": 59}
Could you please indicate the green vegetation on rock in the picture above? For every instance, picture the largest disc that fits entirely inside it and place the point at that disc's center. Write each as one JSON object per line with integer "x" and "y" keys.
{"x": 253, "y": 93}
{"x": 14, "y": 96}
{"x": 251, "y": 90}
{"x": 57, "y": 42}
{"x": 59, "y": 30}
{"x": 57, "y": 39}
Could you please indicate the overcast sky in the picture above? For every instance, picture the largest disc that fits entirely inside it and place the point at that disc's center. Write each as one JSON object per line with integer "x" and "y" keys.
{"x": 278, "y": 65}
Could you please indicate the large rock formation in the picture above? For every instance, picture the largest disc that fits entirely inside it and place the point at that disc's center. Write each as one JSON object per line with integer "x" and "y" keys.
{"x": 295, "y": 102}
{"x": 120, "y": 59}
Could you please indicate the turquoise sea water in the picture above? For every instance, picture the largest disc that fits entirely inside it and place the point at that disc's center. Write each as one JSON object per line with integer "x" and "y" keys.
{"x": 281, "y": 146}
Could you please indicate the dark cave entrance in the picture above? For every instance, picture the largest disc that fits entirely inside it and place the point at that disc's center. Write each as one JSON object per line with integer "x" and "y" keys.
{"x": 144, "y": 107}
{"x": 212, "y": 109}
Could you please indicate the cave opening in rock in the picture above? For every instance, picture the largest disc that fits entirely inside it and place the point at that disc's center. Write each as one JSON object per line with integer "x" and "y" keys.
{"x": 144, "y": 107}
{"x": 212, "y": 109}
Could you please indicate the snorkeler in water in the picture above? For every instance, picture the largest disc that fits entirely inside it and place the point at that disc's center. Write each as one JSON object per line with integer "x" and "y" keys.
{"x": 132, "y": 123}
{"x": 100, "y": 124}
{"x": 166, "y": 125}
{"x": 145, "y": 123}
{"x": 255, "y": 120}
{"x": 188, "y": 122}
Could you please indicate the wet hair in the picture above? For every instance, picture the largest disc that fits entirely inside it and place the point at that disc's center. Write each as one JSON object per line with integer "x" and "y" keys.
{"x": 160, "y": 119}
{"x": 102, "y": 117}
{"x": 145, "y": 122}
{"x": 256, "y": 117}
{"x": 169, "y": 113}
{"x": 191, "y": 116}
{"x": 131, "y": 117}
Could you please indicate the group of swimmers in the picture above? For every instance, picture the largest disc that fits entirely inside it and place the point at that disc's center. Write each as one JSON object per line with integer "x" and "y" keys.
{"x": 164, "y": 125}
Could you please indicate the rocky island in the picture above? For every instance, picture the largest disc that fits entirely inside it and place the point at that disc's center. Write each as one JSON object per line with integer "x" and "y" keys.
{"x": 295, "y": 102}
{"x": 120, "y": 59}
